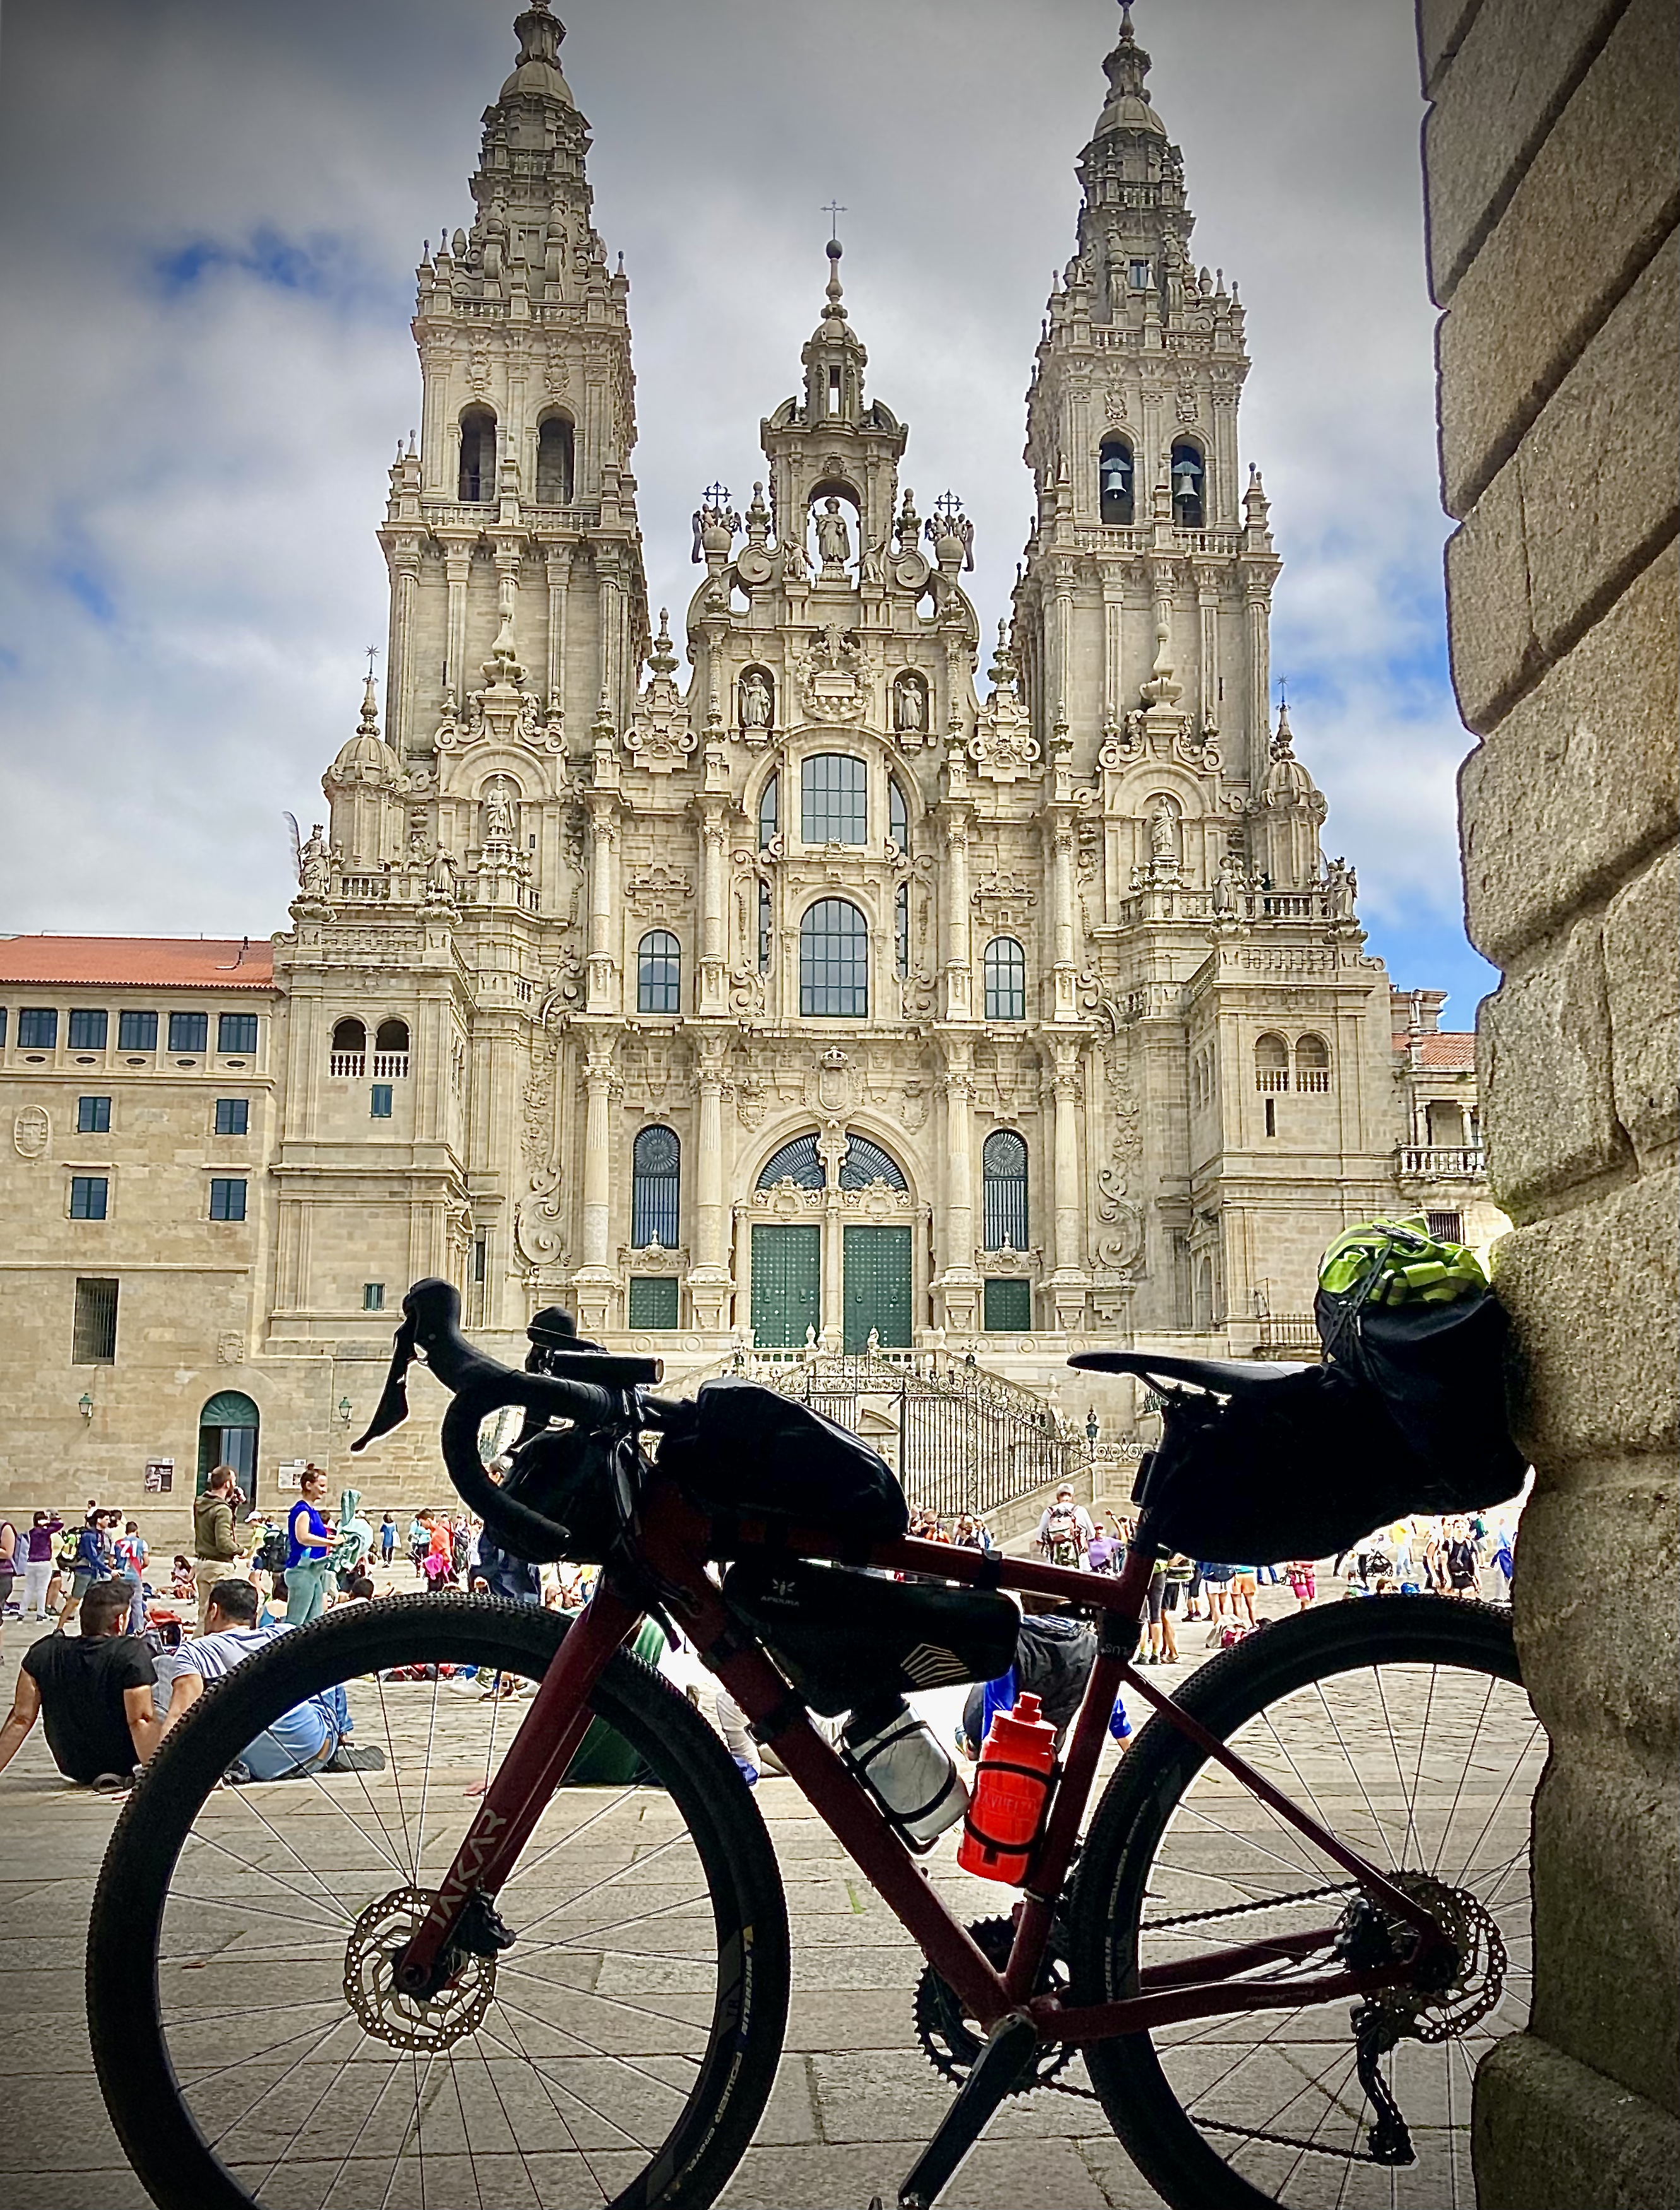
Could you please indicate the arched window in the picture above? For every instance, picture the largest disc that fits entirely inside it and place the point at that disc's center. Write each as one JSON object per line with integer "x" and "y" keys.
{"x": 834, "y": 960}
{"x": 797, "y": 1162}
{"x": 834, "y": 806}
{"x": 1312, "y": 1063}
{"x": 901, "y": 929}
{"x": 1201, "y": 1316}
{"x": 478, "y": 455}
{"x": 1188, "y": 477}
{"x": 1271, "y": 1063}
{"x": 659, "y": 972}
{"x": 1004, "y": 973}
{"x": 1003, "y": 1181}
{"x": 553, "y": 461}
{"x": 655, "y": 1178}
{"x": 349, "y": 1047}
{"x": 228, "y": 1429}
{"x": 765, "y": 912}
{"x": 1114, "y": 481}
{"x": 769, "y": 813}
{"x": 390, "y": 1050}
{"x": 865, "y": 1162}
{"x": 897, "y": 817}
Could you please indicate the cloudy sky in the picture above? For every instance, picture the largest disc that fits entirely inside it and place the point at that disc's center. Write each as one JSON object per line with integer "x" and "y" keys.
{"x": 209, "y": 214}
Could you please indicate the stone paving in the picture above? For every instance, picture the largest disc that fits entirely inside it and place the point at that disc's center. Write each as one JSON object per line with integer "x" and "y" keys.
{"x": 855, "y": 2097}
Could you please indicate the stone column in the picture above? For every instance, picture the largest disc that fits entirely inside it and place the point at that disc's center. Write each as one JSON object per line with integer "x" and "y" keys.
{"x": 832, "y": 1149}
{"x": 457, "y": 565}
{"x": 601, "y": 992}
{"x": 1258, "y": 607}
{"x": 1067, "y": 1211}
{"x": 399, "y": 649}
{"x": 709, "y": 1281}
{"x": 956, "y": 1282}
{"x": 958, "y": 954}
{"x": 560, "y": 573}
{"x": 714, "y": 857}
{"x": 597, "y": 1279}
{"x": 1063, "y": 928}
{"x": 1558, "y": 393}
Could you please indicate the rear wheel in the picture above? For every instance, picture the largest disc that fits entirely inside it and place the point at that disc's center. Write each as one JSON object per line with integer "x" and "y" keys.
{"x": 250, "y": 2042}
{"x": 1401, "y": 1724}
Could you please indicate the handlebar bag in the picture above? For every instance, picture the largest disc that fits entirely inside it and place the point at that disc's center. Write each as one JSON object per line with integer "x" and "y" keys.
{"x": 755, "y": 1453}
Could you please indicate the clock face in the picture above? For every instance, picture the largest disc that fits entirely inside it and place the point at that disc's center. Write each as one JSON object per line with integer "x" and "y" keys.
{"x": 754, "y": 566}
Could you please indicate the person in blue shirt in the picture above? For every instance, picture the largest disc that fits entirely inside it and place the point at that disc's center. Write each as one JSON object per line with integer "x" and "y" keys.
{"x": 93, "y": 1559}
{"x": 308, "y": 1542}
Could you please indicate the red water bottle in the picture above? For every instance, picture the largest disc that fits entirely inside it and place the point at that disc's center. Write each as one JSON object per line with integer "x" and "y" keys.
{"x": 1011, "y": 1791}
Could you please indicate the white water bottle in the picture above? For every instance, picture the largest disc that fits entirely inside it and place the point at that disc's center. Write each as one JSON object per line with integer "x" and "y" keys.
{"x": 906, "y": 1769}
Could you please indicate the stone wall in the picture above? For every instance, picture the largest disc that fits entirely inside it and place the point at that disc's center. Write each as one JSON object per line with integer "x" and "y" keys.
{"x": 1550, "y": 156}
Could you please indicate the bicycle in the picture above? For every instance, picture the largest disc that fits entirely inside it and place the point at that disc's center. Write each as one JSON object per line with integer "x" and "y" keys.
{"x": 455, "y": 1981}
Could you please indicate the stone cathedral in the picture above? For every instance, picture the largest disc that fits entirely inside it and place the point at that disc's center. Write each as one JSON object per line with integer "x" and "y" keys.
{"x": 819, "y": 971}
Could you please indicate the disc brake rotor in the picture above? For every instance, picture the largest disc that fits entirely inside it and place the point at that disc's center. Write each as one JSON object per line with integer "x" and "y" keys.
{"x": 1477, "y": 1979}
{"x": 951, "y": 2039}
{"x": 376, "y": 1941}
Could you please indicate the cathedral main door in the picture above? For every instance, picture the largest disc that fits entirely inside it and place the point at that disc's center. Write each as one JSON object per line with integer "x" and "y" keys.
{"x": 877, "y": 1269}
{"x": 787, "y": 1285}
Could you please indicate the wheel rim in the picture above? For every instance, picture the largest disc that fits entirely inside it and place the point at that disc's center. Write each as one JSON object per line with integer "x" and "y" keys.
{"x": 558, "y": 2073}
{"x": 1429, "y": 1769}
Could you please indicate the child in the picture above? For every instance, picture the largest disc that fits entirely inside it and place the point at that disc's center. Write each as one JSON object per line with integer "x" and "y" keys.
{"x": 1303, "y": 1582}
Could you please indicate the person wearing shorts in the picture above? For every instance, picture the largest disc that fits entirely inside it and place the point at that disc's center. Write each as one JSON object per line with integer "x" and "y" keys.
{"x": 1303, "y": 1582}
{"x": 1163, "y": 1643}
{"x": 1216, "y": 1586}
{"x": 1245, "y": 1581}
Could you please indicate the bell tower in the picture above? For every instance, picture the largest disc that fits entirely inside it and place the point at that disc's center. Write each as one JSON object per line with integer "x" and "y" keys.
{"x": 511, "y": 534}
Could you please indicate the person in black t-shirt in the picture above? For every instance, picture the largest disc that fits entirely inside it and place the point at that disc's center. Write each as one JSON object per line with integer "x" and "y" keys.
{"x": 93, "y": 1692}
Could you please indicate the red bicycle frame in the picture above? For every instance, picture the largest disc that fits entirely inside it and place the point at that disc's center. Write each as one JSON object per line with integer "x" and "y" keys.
{"x": 673, "y": 1539}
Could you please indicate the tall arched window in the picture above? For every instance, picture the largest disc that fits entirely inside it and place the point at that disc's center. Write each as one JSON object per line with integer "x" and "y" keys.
{"x": 897, "y": 817}
{"x": 770, "y": 812}
{"x": 1271, "y": 1063}
{"x": 1117, "y": 502}
{"x": 228, "y": 1429}
{"x": 796, "y": 1162}
{"x": 349, "y": 1047}
{"x": 865, "y": 1162}
{"x": 659, "y": 972}
{"x": 1004, "y": 973}
{"x": 834, "y": 960}
{"x": 1312, "y": 1063}
{"x": 834, "y": 806}
{"x": 390, "y": 1050}
{"x": 656, "y": 1180}
{"x": 553, "y": 461}
{"x": 1003, "y": 1181}
{"x": 1188, "y": 476}
{"x": 478, "y": 455}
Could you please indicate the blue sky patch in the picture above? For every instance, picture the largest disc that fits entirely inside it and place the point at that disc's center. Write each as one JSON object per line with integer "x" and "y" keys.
{"x": 320, "y": 267}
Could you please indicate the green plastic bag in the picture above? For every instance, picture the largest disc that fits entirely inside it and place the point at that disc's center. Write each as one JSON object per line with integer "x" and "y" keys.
{"x": 1398, "y": 1262}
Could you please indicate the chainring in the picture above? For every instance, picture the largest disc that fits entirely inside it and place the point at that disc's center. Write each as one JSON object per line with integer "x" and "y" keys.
{"x": 950, "y": 2040}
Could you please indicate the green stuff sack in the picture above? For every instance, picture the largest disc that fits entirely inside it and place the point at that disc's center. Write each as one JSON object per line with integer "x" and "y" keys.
{"x": 1412, "y": 1318}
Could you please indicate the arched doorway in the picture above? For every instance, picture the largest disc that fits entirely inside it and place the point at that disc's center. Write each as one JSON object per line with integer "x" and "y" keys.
{"x": 228, "y": 1427}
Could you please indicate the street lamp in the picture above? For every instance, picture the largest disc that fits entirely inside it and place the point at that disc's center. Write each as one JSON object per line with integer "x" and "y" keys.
{"x": 344, "y": 1411}
{"x": 1093, "y": 1428}
{"x": 85, "y": 1405}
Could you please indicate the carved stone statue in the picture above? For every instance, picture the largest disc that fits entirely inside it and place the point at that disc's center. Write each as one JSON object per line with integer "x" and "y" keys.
{"x": 1162, "y": 832}
{"x": 795, "y": 569}
{"x": 755, "y": 700}
{"x": 834, "y": 539}
{"x": 1228, "y": 882}
{"x": 498, "y": 815}
{"x": 440, "y": 875}
{"x": 315, "y": 866}
{"x": 909, "y": 705}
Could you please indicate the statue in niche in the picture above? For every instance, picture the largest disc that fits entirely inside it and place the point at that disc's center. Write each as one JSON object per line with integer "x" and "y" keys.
{"x": 910, "y": 706}
{"x": 314, "y": 868}
{"x": 1162, "y": 831}
{"x": 834, "y": 539}
{"x": 755, "y": 700}
{"x": 498, "y": 815}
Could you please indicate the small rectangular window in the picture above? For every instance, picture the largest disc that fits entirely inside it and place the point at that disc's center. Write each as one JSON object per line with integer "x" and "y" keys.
{"x": 1008, "y": 1307}
{"x": 89, "y": 1027}
{"x": 227, "y": 1198}
{"x": 89, "y": 1196}
{"x": 379, "y": 1108}
{"x": 137, "y": 1031}
{"x": 3, "y": 1028}
{"x": 373, "y": 1296}
{"x": 94, "y": 1338}
{"x": 1140, "y": 275}
{"x": 480, "y": 1257}
{"x": 189, "y": 1031}
{"x": 93, "y": 1116}
{"x": 653, "y": 1301}
{"x": 37, "y": 1028}
{"x": 1446, "y": 1227}
{"x": 233, "y": 1116}
{"x": 1271, "y": 1116}
{"x": 236, "y": 1032}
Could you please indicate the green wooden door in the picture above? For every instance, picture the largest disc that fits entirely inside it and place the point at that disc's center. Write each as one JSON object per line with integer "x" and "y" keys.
{"x": 878, "y": 1287}
{"x": 787, "y": 1278}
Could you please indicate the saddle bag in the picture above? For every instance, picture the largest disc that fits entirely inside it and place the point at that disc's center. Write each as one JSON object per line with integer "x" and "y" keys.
{"x": 757, "y": 1454}
{"x": 847, "y": 1640}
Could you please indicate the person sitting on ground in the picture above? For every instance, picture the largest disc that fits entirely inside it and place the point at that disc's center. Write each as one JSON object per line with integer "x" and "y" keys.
{"x": 92, "y": 1692}
{"x": 309, "y": 1738}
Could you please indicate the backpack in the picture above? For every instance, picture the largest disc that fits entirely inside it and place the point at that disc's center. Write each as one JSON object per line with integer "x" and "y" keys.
{"x": 1061, "y": 1537}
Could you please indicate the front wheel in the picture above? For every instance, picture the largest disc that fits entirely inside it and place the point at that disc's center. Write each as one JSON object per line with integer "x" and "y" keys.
{"x": 250, "y": 2043}
{"x": 1400, "y": 1724}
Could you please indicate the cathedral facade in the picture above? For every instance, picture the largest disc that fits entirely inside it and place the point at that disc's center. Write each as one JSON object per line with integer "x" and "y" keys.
{"x": 824, "y": 972}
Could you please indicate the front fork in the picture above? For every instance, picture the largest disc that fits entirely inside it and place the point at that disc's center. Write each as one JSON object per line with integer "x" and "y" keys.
{"x": 555, "y": 1724}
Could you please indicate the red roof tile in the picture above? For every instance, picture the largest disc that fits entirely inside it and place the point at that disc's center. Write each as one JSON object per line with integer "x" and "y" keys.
{"x": 1447, "y": 1051}
{"x": 175, "y": 963}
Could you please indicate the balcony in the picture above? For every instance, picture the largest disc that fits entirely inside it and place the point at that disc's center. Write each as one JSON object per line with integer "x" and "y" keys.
{"x": 1441, "y": 1163}
{"x": 1288, "y": 1335}
{"x": 388, "y": 1066}
{"x": 348, "y": 1064}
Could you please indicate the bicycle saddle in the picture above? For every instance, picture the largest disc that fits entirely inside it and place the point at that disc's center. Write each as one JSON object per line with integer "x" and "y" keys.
{"x": 1225, "y": 1377}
